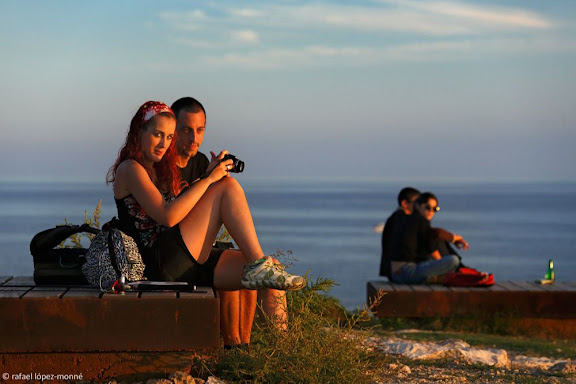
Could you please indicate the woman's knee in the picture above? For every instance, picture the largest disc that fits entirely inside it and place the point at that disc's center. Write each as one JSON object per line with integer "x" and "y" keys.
{"x": 226, "y": 184}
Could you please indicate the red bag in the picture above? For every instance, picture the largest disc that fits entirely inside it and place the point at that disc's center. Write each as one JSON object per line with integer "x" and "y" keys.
{"x": 468, "y": 277}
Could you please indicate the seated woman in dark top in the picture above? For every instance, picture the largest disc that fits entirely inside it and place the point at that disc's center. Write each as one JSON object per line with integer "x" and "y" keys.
{"x": 414, "y": 249}
{"x": 175, "y": 231}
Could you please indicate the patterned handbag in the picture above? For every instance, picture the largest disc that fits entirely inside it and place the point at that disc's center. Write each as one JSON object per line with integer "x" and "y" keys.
{"x": 112, "y": 254}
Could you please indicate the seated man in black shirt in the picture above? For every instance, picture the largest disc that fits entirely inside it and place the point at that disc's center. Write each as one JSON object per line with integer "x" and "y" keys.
{"x": 237, "y": 308}
{"x": 391, "y": 234}
{"x": 412, "y": 245}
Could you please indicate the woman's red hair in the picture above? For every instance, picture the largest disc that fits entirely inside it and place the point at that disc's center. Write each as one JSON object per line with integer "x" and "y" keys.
{"x": 167, "y": 172}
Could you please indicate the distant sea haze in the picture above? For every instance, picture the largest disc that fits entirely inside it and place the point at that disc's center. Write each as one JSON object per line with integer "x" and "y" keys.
{"x": 513, "y": 228}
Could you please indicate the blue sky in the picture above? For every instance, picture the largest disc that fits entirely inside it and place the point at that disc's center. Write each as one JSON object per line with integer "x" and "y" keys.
{"x": 382, "y": 89}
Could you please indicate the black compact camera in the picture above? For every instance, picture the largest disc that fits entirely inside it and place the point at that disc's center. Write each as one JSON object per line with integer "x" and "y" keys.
{"x": 237, "y": 166}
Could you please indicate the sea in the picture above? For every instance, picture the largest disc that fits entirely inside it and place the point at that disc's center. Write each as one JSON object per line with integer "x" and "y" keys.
{"x": 327, "y": 229}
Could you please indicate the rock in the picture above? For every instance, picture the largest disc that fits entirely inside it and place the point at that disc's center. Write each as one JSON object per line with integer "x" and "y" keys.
{"x": 543, "y": 363}
{"x": 159, "y": 381}
{"x": 405, "y": 370}
{"x": 180, "y": 377}
{"x": 448, "y": 348}
{"x": 563, "y": 367}
{"x": 493, "y": 357}
{"x": 214, "y": 380}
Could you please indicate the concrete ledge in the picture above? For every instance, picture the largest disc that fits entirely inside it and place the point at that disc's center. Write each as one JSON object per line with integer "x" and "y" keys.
{"x": 520, "y": 299}
{"x": 81, "y": 319}
{"x": 532, "y": 309}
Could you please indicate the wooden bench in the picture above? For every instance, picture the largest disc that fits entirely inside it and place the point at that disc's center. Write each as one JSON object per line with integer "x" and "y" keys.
{"x": 103, "y": 335}
{"x": 556, "y": 303}
{"x": 80, "y": 318}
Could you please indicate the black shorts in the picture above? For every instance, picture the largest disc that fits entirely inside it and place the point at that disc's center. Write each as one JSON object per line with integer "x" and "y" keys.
{"x": 170, "y": 260}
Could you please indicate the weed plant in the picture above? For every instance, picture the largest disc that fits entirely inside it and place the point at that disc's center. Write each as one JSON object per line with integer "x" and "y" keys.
{"x": 75, "y": 241}
{"x": 321, "y": 345}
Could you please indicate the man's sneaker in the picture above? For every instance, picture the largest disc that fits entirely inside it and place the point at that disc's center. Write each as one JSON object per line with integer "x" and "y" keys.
{"x": 265, "y": 273}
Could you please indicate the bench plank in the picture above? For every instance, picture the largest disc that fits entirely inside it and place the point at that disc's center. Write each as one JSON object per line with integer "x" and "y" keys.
{"x": 498, "y": 287}
{"x": 83, "y": 292}
{"x": 38, "y": 292}
{"x": 563, "y": 285}
{"x": 20, "y": 281}
{"x": 120, "y": 296}
{"x": 159, "y": 295}
{"x": 13, "y": 293}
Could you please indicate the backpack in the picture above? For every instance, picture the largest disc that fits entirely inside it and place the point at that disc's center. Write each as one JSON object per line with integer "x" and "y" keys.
{"x": 468, "y": 277}
{"x": 465, "y": 276}
{"x": 59, "y": 266}
{"x": 113, "y": 257}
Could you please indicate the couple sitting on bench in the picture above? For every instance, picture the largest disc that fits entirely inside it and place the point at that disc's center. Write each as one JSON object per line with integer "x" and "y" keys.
{"x": 174, "y": 202}
{"x": 413, "y": 252}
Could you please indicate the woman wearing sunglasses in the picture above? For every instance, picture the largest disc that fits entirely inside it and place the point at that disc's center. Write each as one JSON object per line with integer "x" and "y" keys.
{"x": 422, "y": 259}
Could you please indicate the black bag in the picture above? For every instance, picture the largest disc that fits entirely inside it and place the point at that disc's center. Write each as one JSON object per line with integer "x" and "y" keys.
{"x": 59, "y": 266}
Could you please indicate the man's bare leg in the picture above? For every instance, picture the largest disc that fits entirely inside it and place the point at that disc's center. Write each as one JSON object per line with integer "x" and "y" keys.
{"x": 230, "y": 317}
{"x": 247, "y": 299}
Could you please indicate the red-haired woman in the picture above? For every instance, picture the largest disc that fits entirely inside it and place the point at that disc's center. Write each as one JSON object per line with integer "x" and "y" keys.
{"x": 175, "y": 231}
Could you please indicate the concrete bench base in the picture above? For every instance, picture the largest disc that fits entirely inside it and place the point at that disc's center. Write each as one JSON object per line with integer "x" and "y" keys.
{"x": 552, "y": 308}
{"x": 82, "y": 319}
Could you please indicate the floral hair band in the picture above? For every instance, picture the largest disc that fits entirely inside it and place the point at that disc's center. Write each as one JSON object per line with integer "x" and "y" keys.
{"x": 152, "y": 108}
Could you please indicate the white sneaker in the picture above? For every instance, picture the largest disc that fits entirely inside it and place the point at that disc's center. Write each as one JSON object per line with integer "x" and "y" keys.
{"x": 265, "y": 273}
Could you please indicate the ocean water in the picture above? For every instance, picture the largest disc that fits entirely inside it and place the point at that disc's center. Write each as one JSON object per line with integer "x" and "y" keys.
{"x": 513, "y": 227}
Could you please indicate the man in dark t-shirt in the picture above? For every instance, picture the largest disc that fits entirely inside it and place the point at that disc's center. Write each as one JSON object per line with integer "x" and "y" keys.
{"x": 195, "y": 168}
{"x": 237, "y": 308}
{"x": 394, "y": 230}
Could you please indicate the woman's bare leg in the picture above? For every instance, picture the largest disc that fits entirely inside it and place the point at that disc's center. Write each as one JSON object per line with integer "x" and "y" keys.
{"x": 223, "y": 203}
{"x": 273, "y": 302}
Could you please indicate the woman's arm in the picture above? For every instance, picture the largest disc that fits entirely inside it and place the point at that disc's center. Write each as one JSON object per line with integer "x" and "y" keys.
{"x": 450, "y": 237}
{"x": 132, "y": 178}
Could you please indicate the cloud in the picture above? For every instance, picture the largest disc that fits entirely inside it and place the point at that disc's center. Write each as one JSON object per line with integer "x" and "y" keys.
{"x": 246, "y": 12}
{"x": 357, "y": 35}
{"x": 495, "y": 16}
{"x": 429, "y": 18}
{"x": 317, "y": 56}
{"x": 185, "y": 21}
{"x": 245, "y": 36}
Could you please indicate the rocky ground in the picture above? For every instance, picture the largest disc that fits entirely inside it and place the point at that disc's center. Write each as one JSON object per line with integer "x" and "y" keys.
{"x": 442, "y": 362}
{"x": 454, "y": 361}
{"x": 451, "y": 367}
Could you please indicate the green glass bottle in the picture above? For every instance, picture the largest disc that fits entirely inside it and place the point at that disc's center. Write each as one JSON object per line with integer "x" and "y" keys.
{"x": 550, "y": 273}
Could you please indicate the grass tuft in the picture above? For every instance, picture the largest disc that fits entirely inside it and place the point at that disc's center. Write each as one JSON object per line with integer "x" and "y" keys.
{"x": 321, "y": 344}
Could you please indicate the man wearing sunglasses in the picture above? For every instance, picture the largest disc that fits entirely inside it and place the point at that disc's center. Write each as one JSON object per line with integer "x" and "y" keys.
{"x": 415, "y": 247}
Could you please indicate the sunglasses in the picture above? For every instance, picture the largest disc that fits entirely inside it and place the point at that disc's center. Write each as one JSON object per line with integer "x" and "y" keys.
{"x": 431, "y": 209}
